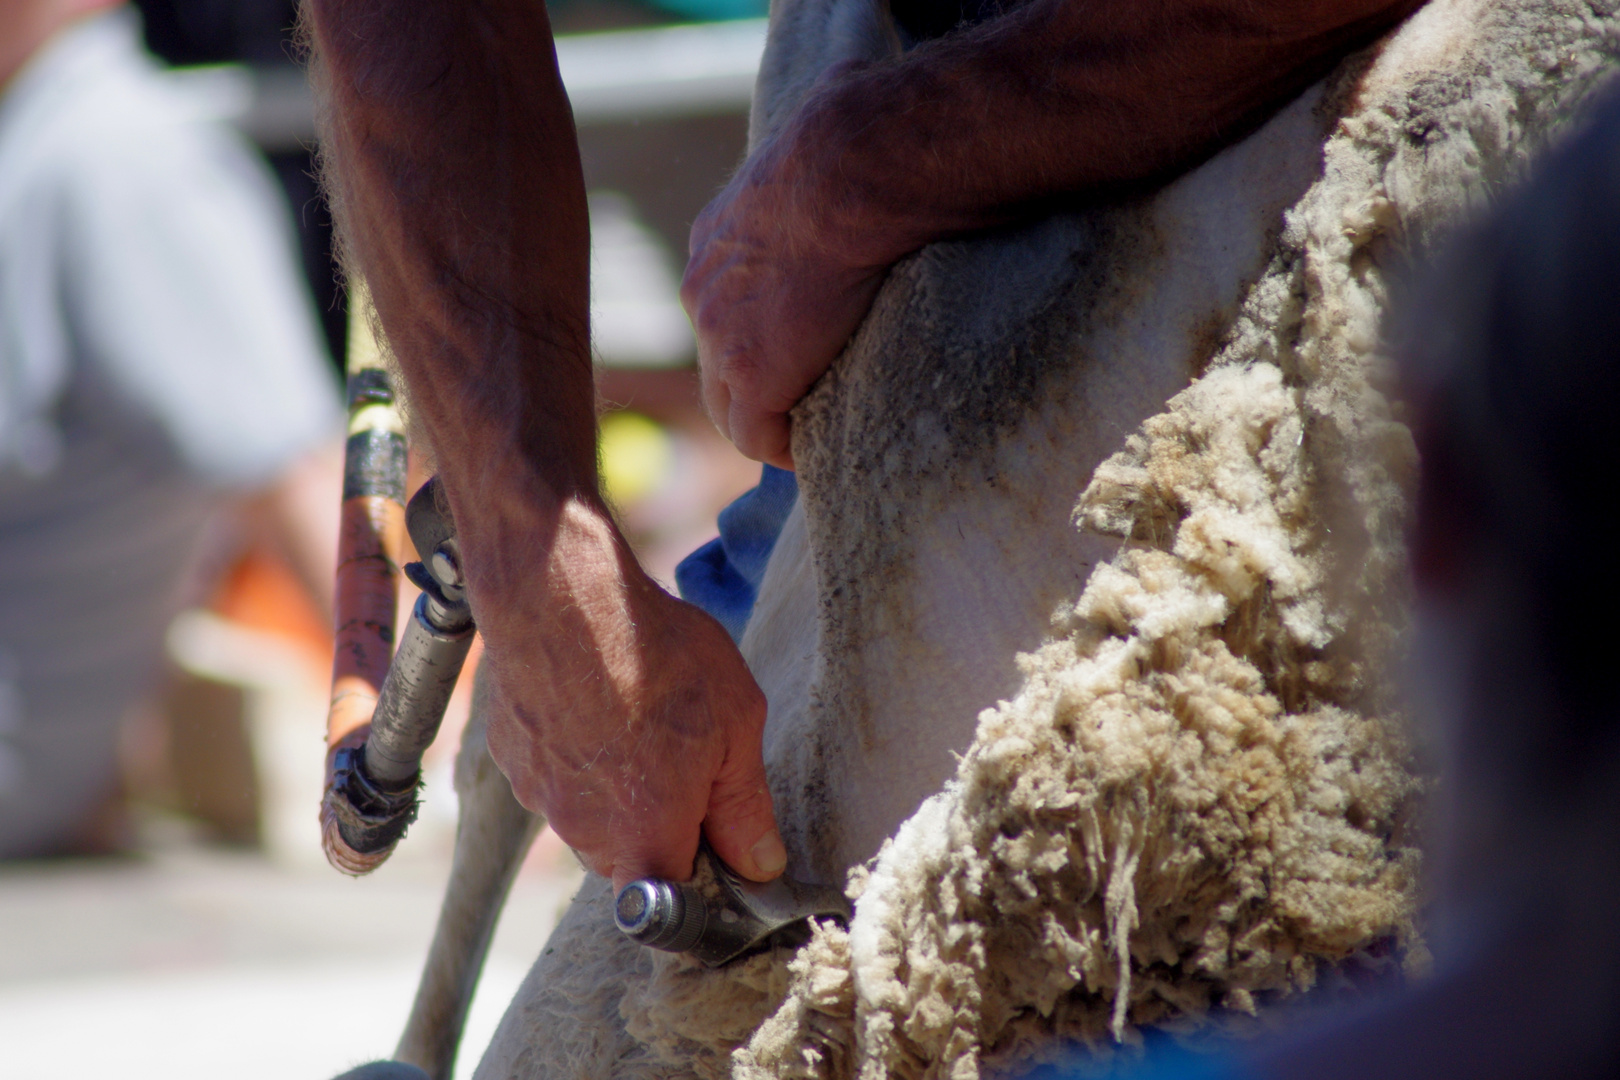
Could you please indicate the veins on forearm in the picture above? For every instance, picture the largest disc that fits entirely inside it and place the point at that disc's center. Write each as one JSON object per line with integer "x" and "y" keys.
{"x": 1059, "y": 99}
{"x": 458, "y": 173}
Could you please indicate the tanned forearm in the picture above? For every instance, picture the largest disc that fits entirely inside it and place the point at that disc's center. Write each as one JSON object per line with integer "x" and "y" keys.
{"x": 1070, "y": 98}
{"x": 459, "y": 182}
{"x": 452, "y": 151}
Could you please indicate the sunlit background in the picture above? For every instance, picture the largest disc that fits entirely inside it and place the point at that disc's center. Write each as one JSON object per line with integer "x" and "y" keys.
{"x": 194, "y": 929}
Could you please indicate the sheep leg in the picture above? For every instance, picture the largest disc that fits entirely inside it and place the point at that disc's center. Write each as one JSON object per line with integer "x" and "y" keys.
{"x": 493, "y": 834}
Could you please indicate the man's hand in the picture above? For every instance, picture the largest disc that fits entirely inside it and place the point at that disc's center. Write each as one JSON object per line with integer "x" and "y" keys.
{"x": 626, "y": 716}
{"x": 774, "y": 291}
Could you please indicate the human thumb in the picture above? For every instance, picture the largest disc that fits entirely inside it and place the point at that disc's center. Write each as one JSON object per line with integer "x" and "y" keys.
{"x": 741, "y": 824}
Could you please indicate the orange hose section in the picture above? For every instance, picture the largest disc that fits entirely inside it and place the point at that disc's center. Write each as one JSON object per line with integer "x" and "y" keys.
{"x": 371, "y": 540}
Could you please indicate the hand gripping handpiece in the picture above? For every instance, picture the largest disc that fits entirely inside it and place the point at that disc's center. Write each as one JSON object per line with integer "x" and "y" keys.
{"x": 727, "y": 919}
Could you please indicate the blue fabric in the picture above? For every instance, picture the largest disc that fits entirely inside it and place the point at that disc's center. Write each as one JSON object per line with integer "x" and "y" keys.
{"x": 1161, "y": 1057}
{"x": 1178, "y": 1064}
{"x": 722, "y": 577}
{"x": 385, "y": 1070}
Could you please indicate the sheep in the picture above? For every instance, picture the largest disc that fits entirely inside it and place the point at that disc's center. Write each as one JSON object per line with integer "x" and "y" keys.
{"x": 1078, "y": 644}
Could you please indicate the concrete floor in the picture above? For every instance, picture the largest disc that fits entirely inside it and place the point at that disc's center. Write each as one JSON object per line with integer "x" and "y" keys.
{"x": 187, "y": 960}
{"x": 190, "y": 962}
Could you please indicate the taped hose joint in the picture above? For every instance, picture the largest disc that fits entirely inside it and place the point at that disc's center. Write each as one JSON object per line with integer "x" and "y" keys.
{"x": 370, "y": 818}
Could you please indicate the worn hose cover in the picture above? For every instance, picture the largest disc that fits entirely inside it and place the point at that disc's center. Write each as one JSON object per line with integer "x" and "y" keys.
{"x": 370, "y": 541}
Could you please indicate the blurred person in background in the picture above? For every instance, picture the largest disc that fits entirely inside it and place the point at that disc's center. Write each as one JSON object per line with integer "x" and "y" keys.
{"x": 159, "y": 362}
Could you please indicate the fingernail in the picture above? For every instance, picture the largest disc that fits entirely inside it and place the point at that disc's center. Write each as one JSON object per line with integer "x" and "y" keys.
{"x": 769, "y": 854}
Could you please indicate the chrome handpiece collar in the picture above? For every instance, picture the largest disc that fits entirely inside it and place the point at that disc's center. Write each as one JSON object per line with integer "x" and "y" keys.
{"x": 727, "y": 919}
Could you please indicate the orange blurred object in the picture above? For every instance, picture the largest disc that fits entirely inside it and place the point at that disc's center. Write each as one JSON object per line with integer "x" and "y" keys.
{"x": 262, "y": 593}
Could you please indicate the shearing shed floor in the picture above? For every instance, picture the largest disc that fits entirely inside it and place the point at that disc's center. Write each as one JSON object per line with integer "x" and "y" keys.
{"x": 188, "y": 962}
